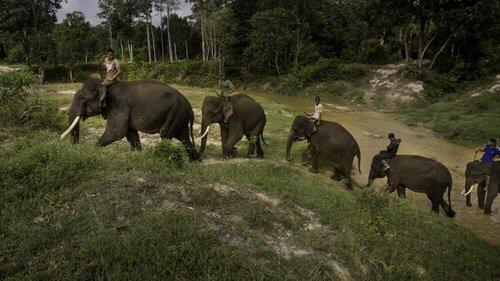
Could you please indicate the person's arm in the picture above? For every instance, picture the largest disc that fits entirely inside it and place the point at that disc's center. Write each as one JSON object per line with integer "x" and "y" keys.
{"x": 119, "y": 72}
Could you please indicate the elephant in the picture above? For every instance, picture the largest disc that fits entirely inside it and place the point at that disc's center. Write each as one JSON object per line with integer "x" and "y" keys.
{"x": 475, "y": 173}
{"x": 237, "y": 116}
{"x": 330, "y": 141}
{"x": 135, "y": 106}
{"x": 419, "y": 174}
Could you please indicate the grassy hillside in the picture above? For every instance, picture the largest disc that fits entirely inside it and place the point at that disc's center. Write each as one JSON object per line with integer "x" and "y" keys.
{"x": 77, "y": 212}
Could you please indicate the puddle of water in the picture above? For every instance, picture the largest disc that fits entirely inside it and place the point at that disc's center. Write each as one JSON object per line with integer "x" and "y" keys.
{"x": 370, "y": 128}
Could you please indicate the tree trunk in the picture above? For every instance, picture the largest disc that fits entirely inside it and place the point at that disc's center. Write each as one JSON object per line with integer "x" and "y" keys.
{"x": 152, "y": 28}
{"x": 175, "y": 52}
{"x": 121, "y": 47}
{"x": 421, "y": 55}
{"x": 187, "y": 51}
{"x": 203, "y": 52}
{"x": 407, "y": 47}
{"x": 149, "y": 43}
{"x": 71, "y": 75}
{"x": 440, "y": 50}
{"x": 110, "y": 35}
{"x": 161, "y": 38}
{"x": 169, "y": 37}
{"x": 86, "y": 56}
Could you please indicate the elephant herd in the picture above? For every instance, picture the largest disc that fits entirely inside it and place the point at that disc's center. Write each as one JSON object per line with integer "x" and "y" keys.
{"x": 156, "y": 108}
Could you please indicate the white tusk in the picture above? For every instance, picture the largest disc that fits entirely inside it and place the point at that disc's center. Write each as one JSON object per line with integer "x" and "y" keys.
{"x": 75, "y": 122}
{"x": 471, "y": 188}
{"x": 206, "y": 132}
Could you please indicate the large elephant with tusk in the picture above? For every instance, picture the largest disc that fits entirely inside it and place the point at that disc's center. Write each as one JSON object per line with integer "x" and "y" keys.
{"x": 475, "y": 174}
{"x": 237, "y": 116}
{"x": 135, "y": 106}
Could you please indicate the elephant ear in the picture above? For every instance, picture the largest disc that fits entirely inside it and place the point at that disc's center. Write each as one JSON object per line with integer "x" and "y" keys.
{"x": 309, "y": 128}
{"x": 227, "y": 110}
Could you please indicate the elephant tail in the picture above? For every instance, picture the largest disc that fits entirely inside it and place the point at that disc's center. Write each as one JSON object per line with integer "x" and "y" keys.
{"x": 450, "y": 213}
{"x": 263, "y": 140}
{"x": 358, "y": 154}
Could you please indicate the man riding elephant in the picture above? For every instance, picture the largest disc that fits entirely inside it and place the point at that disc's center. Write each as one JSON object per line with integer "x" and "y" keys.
{"x": 391, "y": 151}
{"x": 486, "y": 174}
{"x": 226, "y": 87}
{"x": 113, "y": 71}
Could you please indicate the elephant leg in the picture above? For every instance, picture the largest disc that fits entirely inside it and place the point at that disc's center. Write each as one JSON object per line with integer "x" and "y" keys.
{"x": 435, "y": 202}
{"x": 260, "y": 152}
{"x": 447, "y": 208}
{"x": 168, "y": 127}
{"x": 116, "y": 127}
{"x": 336, "y": 174}
{"x": 306, "y": 156}
{"x": 254, "y": 138}
{"x": 134, "y": 140}
{"x": 184, "y": 138}
{"x": 492, "y": 194}
{"x": 251, "y": 146}
{"x": 314, "y": 161}
{"x": 401, "y": 190}
{"x": 481, "y": 192}
{"x": 228, "y": 148}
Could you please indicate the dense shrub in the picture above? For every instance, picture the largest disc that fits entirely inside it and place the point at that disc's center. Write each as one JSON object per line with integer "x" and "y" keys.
{"x": 330, "y": 69}
{"x": 190, "y": 72}
{"x": 374, "y": 52}
{"x": 169, "y": 153}
{"x": 14, "y": 93}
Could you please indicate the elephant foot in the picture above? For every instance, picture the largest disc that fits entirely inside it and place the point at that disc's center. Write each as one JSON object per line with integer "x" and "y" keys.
{"x": 450, "y": 213}
{"x": 487, "y": 211}
{"x": 336, "y": 177}
{"x": 481, "y": 207}
{"x": 468, "y": 204}
{"x": 313, "y": 170}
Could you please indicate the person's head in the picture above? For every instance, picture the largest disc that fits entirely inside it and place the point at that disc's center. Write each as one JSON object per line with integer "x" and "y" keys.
{"x": 391, "y": 136}
{"x": 492, "y": 142}
{"x": 317, "y": 99}
{"x": 111, "y": 54}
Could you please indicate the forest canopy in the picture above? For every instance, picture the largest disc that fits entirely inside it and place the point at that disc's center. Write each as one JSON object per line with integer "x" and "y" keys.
{"x": 261, "y": 37}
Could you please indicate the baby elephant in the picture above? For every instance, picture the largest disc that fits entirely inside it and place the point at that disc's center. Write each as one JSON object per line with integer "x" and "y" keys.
{"x": 419, "y": 174}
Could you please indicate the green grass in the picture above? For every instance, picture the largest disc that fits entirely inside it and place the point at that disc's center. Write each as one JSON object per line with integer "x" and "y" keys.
{"x": 469, "y": 121}
{"x": 78, "y": 212}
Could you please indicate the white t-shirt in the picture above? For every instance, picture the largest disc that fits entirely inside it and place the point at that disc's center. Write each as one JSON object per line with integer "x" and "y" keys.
{"x": 317, "y": 110}
{"x": 111, "y": 67}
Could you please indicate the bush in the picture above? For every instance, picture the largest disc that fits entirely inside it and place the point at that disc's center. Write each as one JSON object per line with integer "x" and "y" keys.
{"x": 169, "y": 153}
{"x": 374, "y": 52}
{"x": 13, "y": 93}
{"x": 331, "y": 69}
{"x": 190, "y": 72}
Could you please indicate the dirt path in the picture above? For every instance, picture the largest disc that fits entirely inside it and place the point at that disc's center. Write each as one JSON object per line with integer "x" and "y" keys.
{"x": 370, "y": 129}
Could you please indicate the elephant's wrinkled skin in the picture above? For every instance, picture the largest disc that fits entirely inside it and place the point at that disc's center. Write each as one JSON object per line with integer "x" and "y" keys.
{"x": 475, "y": 173}
{"x": 331, "y": 142}
{"x": 419, "y": 174}
{"x": 136, "y": 106}
{"x": 237, "y": 116}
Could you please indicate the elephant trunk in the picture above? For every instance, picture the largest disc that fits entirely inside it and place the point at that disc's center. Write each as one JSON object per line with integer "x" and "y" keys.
{"x": 291, "y": 138}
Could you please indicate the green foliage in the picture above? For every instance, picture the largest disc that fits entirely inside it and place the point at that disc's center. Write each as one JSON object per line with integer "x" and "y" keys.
{"x": 196, "y": 73}
{"x": 330, "y": 69}
{"x": 374, "y": 52}
{"x": 14, "y": 88}
{"x": 468, "y": 120}
{"x": 169, "y": 152}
